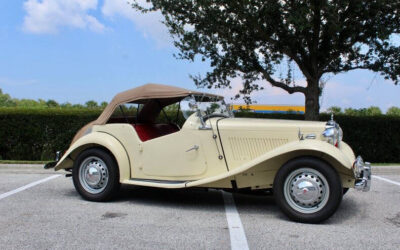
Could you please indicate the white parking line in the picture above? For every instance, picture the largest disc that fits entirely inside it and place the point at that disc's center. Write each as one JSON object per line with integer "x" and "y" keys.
{"x": 236, "y": 231}
{"x": 2, "y": 196}
{"x": 387, "y": 180}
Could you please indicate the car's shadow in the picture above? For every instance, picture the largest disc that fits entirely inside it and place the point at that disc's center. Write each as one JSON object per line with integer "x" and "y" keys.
{"x": 196, "y": 199}
{"x": 211, "y": 200}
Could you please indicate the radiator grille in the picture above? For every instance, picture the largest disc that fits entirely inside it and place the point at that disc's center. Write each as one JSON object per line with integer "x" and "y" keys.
{"x": 250, "y": 148}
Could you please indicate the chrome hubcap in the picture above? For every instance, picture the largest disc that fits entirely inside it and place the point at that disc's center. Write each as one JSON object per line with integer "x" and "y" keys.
{"x": 306, "y": 190}
{"x": 93, "y": 175}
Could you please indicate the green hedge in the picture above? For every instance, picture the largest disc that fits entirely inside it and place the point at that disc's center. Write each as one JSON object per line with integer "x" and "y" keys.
{"x": 35, "y": 134}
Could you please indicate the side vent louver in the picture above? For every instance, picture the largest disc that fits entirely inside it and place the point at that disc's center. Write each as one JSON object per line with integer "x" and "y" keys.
{"x": 250, "y": 148}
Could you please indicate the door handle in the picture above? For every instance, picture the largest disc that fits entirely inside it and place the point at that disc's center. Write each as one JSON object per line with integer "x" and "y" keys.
{"x": 195, "y": 147}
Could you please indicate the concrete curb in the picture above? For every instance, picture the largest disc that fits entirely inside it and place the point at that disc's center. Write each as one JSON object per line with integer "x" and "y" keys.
{"x": 27, "y": 169}
{"x": 385, "y": 170}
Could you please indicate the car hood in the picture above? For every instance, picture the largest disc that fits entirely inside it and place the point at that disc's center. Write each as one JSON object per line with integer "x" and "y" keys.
{"x": 270, "y": 124}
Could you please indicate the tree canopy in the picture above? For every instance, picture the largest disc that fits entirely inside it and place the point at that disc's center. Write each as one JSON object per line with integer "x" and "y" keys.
{"x": 393, "y": 111}
{"x": 249, "y": 38}
{"x": 7, "y": 101}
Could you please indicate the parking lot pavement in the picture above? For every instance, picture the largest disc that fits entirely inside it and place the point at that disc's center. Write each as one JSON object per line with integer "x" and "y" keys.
{"x": 52, "y": 215}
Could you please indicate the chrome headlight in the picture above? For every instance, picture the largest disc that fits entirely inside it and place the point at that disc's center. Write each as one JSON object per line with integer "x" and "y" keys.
{"x": 333, "y": 133}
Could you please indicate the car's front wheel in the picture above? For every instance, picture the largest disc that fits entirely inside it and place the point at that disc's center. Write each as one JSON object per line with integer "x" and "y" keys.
{"x": 308, "y": 190}
{"x": 95, "y": 175}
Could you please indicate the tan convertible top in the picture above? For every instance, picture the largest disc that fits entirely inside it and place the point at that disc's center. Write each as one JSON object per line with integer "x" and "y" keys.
{"x": 164, "y": 94}
{"x": 146, "y": 92}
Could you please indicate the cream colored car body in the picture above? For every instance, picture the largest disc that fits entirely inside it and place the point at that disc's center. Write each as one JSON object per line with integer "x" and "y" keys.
{"x": 247, "y": 151}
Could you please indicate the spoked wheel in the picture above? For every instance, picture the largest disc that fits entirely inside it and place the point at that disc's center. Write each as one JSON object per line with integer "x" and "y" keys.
{"x": 307, "y": 190}
{"x": 95, "y": 175}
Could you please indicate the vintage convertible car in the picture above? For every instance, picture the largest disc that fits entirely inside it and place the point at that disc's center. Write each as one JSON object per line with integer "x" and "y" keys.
{"x": 137, "y": 141}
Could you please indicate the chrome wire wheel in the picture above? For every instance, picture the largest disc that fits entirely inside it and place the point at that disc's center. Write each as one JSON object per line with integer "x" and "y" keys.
{"x": 306, "y": 190}
{"x": 93, "y": 175}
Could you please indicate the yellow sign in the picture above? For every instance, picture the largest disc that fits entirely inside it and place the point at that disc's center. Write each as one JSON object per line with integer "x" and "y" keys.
{"x": 261, "y": 108}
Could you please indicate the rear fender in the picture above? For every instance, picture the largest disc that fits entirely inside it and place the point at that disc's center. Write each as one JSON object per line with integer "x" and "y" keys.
{"x": 98, "y": 139}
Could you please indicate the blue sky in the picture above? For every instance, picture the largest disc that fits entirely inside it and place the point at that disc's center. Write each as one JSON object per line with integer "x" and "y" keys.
{"x": 77, "y": 50}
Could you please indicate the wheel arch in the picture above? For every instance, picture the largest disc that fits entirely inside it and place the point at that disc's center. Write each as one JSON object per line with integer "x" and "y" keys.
{"x": 98, "y": 140}
{"x": 280, "y": 160}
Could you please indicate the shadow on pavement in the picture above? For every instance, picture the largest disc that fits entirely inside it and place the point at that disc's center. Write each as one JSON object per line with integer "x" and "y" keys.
{"x": 212, "y": 201}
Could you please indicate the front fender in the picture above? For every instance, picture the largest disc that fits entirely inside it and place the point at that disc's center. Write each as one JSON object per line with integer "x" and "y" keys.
{"x": 263, "y": 168}
{"x": 338, "y": 158}
{"x": 342, "y": 157}
{"x": 97, "y": 139}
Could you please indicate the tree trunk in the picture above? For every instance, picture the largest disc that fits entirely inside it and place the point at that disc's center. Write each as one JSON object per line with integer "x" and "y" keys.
{"x": 312, "y": 100}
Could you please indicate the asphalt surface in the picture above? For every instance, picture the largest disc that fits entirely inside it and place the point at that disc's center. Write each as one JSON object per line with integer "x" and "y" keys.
{"x": 51, "y": 215}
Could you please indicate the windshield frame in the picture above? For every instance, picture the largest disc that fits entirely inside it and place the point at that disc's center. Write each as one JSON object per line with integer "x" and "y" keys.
{"x": 202, "y": 107}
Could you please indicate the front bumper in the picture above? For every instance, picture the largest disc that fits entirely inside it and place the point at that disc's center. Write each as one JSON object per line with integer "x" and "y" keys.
{"x": 362, "y": 172}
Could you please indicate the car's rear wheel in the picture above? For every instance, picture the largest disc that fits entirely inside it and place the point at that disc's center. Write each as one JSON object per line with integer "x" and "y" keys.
{"x": 307, "y": 190}
{"x": 95, "y": 175}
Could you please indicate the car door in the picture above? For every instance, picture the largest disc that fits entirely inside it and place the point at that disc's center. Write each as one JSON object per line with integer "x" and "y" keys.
{"x": 177, "y": 156}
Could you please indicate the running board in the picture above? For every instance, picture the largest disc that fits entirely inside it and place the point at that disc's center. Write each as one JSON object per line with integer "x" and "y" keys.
{"x": 156, "y": 183}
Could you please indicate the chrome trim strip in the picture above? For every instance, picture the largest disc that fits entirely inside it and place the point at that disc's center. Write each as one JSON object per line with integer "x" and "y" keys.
{"x": 159, "y": 181}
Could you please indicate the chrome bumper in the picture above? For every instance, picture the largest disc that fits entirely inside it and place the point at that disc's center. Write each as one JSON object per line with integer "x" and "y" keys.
{"x": 362, "y": 172}
{"x": 53, "y": 163}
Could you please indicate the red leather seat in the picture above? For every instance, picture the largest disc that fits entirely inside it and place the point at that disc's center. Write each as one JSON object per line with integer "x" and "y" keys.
{"x": 150, "y": 131}
{"x": 165, "y": 129}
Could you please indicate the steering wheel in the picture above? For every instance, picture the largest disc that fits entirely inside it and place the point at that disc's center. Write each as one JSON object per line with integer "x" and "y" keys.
{"x": 206, "y": 117}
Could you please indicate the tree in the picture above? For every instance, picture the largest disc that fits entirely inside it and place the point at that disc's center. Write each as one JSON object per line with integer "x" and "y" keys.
{"x": 250, "y": 38}
{"x": 351, "y": 111}
{"x": 66, "y": 105}
{"x": 334, "y": 110}
{"x": 42, "y": 103}
{"x": 371, "y": 111}
{"x": 27, "y": 103}
{"x": 393, "y": 111}
{"x": 103, "y": 105}
{"x": 6, "y": 100}
{"x": 91, "y": 104}
{"x": 213, "y": 107}
{"x": 78, "y": 106}
{"x": 52, "y": 104}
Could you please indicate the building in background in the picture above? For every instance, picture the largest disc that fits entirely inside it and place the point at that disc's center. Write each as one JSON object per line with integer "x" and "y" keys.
{"x": 269, "y": 109}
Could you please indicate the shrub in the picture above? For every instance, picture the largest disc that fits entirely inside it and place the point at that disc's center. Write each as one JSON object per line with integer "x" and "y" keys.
{"x": 36, "y": 134}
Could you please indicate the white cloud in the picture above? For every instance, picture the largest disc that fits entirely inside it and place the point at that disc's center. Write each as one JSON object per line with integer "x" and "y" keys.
{"x": 149, "y": 24}
{"x": 47, "y": 16}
